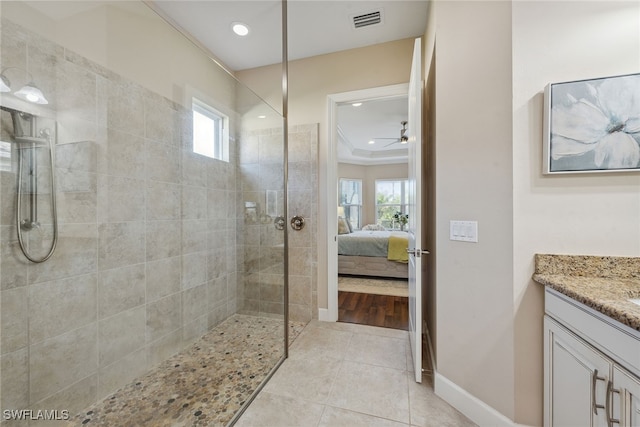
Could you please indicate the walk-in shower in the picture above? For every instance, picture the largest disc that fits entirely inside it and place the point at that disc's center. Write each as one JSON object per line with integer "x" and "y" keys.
{"x": 28, "y": 139}
{"x": 163, "y": 301}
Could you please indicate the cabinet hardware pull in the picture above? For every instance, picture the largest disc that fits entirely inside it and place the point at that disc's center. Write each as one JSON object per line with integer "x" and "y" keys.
{"x": 594, "y": 379}
{"x": 608, "y": 400}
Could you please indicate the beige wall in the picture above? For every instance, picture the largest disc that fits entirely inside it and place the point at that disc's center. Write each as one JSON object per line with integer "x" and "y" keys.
{"x": 368, "y": 175}
{"x": 473, "y": 182}
{"x": 573, "y": 214}
{"x": 310, "y": 81}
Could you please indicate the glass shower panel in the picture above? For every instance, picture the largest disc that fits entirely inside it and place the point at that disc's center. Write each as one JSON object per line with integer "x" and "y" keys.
{"x": 164, "y": 294}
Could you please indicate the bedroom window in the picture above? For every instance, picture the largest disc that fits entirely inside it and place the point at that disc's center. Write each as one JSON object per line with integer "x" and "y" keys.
{"x": 350, "y": 201}
{"x": 210, "y": 135}
{"x": 391, "y": 197}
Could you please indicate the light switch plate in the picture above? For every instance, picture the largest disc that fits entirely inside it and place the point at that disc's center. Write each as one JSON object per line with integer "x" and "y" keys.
{"x": 463, "y": 231}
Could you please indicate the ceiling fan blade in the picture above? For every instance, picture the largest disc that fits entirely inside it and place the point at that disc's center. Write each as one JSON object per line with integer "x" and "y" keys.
{"x": 394, "y": 142}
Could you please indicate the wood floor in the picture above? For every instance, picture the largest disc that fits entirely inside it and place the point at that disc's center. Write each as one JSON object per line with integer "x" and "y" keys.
{"x": 373, "y": 310}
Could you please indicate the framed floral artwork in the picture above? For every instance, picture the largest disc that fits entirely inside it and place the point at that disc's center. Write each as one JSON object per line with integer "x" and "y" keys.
{"x": 592, "y": 125}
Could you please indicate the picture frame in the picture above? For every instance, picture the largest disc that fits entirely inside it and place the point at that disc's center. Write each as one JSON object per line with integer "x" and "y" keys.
{"x": 592, "y": 125}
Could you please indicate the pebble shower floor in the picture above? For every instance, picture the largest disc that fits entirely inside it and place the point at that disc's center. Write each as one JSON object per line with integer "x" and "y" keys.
{"x": 204, "y": 385}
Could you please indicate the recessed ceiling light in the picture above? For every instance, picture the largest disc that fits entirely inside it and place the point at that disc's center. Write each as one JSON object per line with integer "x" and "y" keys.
{"x": 240, "y": 29}
{"x": 372, "y": 142}
{"x": 262, "y": 117}
{"x": 357, "y": 104}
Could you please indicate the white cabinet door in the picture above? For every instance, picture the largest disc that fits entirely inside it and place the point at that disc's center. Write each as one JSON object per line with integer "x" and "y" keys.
{"x": 627, "y": 393}
{"x": 576, "y": 378}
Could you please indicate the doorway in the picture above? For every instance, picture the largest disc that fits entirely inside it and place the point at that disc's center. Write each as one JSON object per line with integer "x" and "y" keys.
{"x": 368, "y": 157}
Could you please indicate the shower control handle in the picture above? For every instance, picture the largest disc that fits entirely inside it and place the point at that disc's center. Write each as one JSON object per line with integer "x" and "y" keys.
{"x": 297, "y": 223}
{"x": 279, "y": 223}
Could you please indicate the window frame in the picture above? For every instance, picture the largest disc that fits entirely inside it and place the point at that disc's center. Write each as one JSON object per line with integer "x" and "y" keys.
{"x": 348, "y": 206}
{"x": 221, "y": 130}
{"x": 402, "y": 207}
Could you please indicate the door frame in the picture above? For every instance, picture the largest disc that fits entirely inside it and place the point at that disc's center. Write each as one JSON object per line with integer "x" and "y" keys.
{"x": 333, "y": 100}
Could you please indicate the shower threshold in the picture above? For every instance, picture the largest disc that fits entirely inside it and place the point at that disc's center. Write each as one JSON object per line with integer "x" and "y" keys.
{"x": 204, "y": 385}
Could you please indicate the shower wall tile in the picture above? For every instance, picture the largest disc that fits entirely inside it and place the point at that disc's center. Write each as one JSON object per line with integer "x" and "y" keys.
{"x": 62, "y": 305}
{"x": 7, "y": 193}
{"x": 194, "y": 269}
{"x": 300, "y": 290}
{"x": 61, "y": 361}
{"x": 42, "y": 57}
{"x": 77, "y": 207}
{"x": 220, "y": 175}
{"x": 120, "y": 244}
{"x": 75, "y": 254}
{"x": 125, "y": 106}
{"x": 194, "y": 202}
{"x": 120, "y": 199}
{"x": 163, "y": 317}
{"x": 217, "y": 203}
{"x": 73, "y": 398}
{"x": 161, "y": 349}
{"x": 13, "y": 319}
{"x": 194, "y": 236}
{"x": 300, "y": 147}
{"x": 217, "y": 315}
{"x": 124, "y": 155}
{"x": 163, "y": 239}
{"x": 75, "y": 181}
{"x": 194, "y": 168}
{"x": 163, "y": 200}
{"x": 163, "y": 162}
{"x": 194, "y": 303}
{"x": 271, "y": 176}
{"x": 120, "y": 289}
{"x": 217, "y": 291}
{"x": 249, "y": 150}
{"x": 120, "y": 373}
{"x": 15, "y": 379}
{"x": 12, "y": 263}
{"x": 217, "y": 263}
{"x": 194, "y": 330}
{"x": 162, "y": 122}
{"x": 76, "y": 91}
{"x": 78, "y": 156}
{"x": 113, "y": 344}
{"x": 271, "y": 149}
{"x": 163, "y": 278}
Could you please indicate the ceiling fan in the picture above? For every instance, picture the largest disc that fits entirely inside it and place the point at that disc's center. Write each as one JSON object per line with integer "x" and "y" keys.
{"x": 403, "y": 137}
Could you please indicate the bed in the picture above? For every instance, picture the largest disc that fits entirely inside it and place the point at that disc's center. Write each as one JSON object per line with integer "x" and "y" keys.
{"x": 367, "y": 253}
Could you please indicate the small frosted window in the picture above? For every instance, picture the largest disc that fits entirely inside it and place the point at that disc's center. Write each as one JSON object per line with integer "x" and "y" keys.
{"x": 209, "y": 132}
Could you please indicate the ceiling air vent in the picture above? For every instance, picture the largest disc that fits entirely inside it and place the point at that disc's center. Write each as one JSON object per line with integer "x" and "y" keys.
{"x": 367, "y": 19}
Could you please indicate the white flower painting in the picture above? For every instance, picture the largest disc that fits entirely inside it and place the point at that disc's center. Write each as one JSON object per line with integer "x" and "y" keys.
{"x": 594, "y": 125}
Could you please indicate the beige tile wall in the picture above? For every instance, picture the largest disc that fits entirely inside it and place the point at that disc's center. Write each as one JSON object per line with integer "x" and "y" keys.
{"x": 145, "y": 262}
{"x": 260, "y": 160}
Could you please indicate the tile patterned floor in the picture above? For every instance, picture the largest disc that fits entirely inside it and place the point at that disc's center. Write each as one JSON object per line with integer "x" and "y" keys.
{"x": 204, "y": 385}
{"x": 341, "y": 374}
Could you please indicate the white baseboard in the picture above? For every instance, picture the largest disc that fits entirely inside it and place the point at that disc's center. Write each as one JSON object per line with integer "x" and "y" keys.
{"x": 475, "y": 409}
{"x": 323, "y": 315}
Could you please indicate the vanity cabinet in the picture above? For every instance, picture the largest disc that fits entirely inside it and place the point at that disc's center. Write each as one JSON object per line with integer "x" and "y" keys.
{"x": 591, "y": 367}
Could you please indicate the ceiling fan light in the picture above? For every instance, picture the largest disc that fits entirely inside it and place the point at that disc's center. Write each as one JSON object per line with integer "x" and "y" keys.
{"x": 5, "y": 85}
{"x": 31, "y": 93}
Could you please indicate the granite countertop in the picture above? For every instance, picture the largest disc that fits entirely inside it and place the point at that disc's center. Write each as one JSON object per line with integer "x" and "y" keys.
{"x": 602, "y": 283}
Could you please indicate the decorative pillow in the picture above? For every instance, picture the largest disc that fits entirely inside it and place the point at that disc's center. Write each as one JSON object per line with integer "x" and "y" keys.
{"x": 343, "y": 226}
{"x": 373, "y": 227}
{"x": 349, "y": 225}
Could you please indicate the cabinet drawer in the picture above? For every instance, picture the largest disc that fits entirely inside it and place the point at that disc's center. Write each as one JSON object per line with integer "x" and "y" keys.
{"x": 610, "y": 336}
